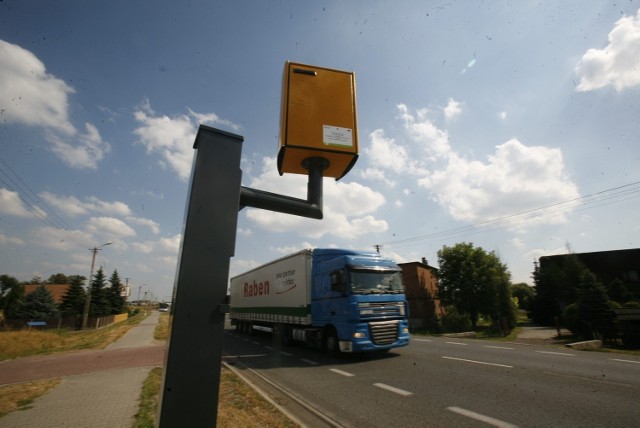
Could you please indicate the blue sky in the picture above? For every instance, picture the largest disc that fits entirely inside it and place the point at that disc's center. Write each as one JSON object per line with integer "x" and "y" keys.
{"x": 512, "y": 125}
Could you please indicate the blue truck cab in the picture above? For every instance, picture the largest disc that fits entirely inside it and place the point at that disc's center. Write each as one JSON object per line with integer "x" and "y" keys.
{"x": 357, "y": 301}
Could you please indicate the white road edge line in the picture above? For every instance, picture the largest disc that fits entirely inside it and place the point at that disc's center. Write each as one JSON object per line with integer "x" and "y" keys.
{"x": 478, "y": 362}
{"x": 482, "y": 418}
{"x": 343, "y": 373}
{"x": 421, "y": 340}
{"x": 625, "y": 361}
{"x": 556, "y": 353}
{"x": 457, "y": 343}
{"x": 393, "y": 389}
{"x": 496, "y": 347}
{"x": 313, "y": 363}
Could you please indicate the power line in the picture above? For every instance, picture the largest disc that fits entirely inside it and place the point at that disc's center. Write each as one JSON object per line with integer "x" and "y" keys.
{"x": 593, "y": 200}
{"x": 26, "y": 196}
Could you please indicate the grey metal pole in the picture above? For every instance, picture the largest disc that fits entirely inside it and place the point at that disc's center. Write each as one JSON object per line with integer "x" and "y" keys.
{"x": 87, "y": 300}
{"x": 193, "y": 359}
{"x": 87, "y": 297}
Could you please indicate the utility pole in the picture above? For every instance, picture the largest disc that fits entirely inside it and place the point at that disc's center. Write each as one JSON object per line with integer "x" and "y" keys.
{"x": 87, "y": 302}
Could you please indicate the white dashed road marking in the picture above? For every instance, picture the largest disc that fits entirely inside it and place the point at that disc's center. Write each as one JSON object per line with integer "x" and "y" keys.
{"x": 393, "y": 389}
{"x": 482, "y": 418}
{"x": 478, "y": 362}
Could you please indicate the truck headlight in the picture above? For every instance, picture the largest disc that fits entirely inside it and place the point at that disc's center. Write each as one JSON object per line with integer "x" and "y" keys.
{"x": 359, "y": 335}
{"x": 405, "y": 330}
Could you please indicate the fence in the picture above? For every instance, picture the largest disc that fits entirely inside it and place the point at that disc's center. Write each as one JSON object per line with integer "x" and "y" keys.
{"x": 66, "y": 322}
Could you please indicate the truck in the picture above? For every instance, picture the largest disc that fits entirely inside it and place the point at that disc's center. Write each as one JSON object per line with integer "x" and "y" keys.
{"x": 337, "y": 300}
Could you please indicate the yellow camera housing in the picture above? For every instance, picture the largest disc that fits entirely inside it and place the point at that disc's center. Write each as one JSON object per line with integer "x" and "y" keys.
{"x": 317, "y": 119}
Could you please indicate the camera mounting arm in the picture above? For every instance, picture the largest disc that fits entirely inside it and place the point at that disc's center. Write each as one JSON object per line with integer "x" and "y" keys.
{"x": 311, "y": 208}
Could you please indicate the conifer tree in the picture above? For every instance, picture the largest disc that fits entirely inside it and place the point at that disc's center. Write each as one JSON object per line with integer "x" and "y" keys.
{"x": 115, "y": 294}
{"x": 74, "y": 300}
{"x": 595, "y": 312}
{"x": 100, "y": 302}
{"x": 39, "y": 305}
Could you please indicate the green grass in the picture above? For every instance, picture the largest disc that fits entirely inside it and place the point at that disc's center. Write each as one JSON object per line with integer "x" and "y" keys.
{"x": 149, "y": 397}
{"x": 24, "y": 343}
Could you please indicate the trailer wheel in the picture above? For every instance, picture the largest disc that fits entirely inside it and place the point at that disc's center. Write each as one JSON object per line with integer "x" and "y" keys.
{"x": 331, "y": 345}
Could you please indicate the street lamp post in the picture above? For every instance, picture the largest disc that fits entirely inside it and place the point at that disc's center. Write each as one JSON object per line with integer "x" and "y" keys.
{"x": 87, "y": 302}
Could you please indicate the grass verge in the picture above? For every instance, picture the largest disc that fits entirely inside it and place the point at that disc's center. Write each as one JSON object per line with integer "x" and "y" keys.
{"x": 20, "y": 396}
{"x": 238, "y": 404}
{"x": 24, "y": 343}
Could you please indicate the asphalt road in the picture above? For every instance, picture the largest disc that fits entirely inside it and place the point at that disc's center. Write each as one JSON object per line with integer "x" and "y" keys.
{"x": 452, "y": 382}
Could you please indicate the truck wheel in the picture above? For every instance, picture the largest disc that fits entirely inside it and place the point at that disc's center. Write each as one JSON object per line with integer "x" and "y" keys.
{"x": 331, "y": 345}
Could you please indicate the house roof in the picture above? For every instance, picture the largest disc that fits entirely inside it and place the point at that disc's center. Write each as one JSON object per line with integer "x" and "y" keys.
{"x": 57, "y": 290}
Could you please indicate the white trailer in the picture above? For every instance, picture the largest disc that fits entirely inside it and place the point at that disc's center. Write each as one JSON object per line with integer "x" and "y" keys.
{"x": 277, "y": 292}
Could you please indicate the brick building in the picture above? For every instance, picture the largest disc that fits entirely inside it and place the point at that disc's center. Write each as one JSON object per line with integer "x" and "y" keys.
{"x": 421, "y": 289}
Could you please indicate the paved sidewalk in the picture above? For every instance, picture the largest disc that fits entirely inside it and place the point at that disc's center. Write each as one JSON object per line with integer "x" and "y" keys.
{"x": 99, "y": 388}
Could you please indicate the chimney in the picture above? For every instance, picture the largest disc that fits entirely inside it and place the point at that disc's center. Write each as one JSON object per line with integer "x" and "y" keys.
{"x": 424, "y": 261}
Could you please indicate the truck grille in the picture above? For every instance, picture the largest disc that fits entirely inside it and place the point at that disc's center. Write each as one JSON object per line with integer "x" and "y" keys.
{"x": 381, "y": 309}
{"x": 384, "y": 333}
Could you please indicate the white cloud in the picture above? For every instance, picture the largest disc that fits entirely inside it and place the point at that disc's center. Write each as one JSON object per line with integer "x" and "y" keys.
{"x": 434, "y": 141}
{"x": 52, "y": 237}
{"x": 10, "y": 240}
{"x": 376, "y": 174}
{"x": 30, "y": 95}
{"x": 244, "y": 232}
{"x": 513, "y": 179}
{"x": 502, "y": 115}
{"x": 618, "y": 64}
{"x": 165, "y": 245}
{"x": 517, "y": 243}
{"x": 170, "y": 244}
{"x": 109, "y": 226}
{"x": 452, "y": 110}
{"x": 347, "y": 206}
{"x": 11, "y": 204}
{"x": 152, "y": 225}
{"x": 290, "y": 249}
{"x": 85, "y": 152}
{"x": 72, "y": 206}
{"x": 172, "y": 137}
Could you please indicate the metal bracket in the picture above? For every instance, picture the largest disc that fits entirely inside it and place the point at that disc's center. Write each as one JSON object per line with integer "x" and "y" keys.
{"x": 311, "y": 207}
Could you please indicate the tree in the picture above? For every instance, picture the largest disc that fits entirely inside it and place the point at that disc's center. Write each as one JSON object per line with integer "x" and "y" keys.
{"x": 58, "y": 278}
{"x": 73, "y": 301}
{"x": 115, "y": 294}
{"x": 39, "y": 305}
{"x": 100, "y": 302}
{"x": 618, "y": 292}
{"x": 594, "y": 308}
{"x": 11, "y": 296}
{"x": 557, "y": 284}
{"x": 475, "y": 282}
{"x": 525, "y": 295}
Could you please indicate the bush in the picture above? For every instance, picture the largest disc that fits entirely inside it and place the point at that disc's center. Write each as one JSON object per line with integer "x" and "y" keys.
{"x": 455, "y": 322}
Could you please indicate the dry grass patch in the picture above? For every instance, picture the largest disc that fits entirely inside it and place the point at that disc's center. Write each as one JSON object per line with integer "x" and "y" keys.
{"x": 162, "y": 329}
{"x": 238, "y": 404}
{"x": 23, "y": 343}
{"x": 19, "y": 396}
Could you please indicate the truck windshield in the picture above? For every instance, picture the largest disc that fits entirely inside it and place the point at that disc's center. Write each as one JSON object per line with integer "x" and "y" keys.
{"x": 376, "y": 282}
